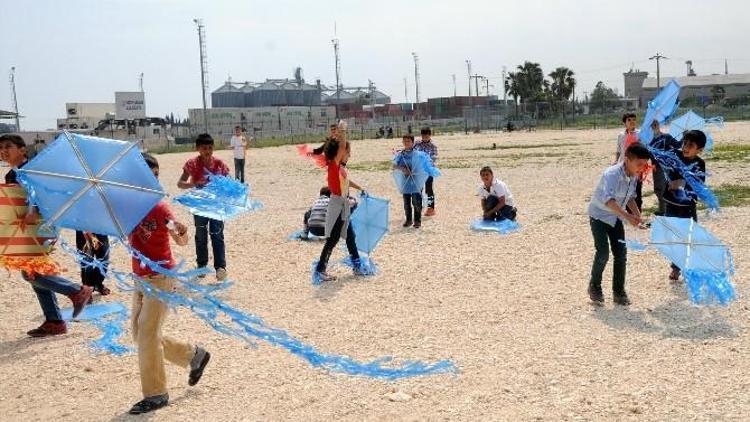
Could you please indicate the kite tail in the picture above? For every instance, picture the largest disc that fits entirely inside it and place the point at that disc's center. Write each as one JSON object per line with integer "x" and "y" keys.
{"x": 112, "y": 329}
{"x": 232, "y": 322}
{"x": 709, "y": 287}
{"x": 364, "y": 266}
{"x": 668, "y": 160}
{"x": 317, "y": 278}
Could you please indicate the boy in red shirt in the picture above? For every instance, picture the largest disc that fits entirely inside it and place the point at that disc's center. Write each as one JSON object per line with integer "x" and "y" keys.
{"x": 151, "y": 238}
{"x": 195, "y": 173}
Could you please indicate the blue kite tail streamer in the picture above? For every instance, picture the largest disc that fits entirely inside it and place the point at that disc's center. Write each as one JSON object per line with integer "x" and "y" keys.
{"x": 669, "y": 160}
{"x": 112, "y": 329}
{"x": 317, "y": 277}
{"x": 110, "y": 319}
{"x": 300, "y": 235}
{"x": 502, "y": 227}
{"x": 232, "y": 322}
{"x": 709, "y": 287}
{"x": 364, "y": 266}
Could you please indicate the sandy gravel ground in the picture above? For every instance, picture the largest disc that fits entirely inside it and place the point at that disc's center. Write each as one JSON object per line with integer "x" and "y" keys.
{"x": 511, "y": 312}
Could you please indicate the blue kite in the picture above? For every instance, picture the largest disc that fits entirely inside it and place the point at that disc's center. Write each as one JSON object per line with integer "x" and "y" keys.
{"x": 705, "y": 261}
{"x": 660, "y": 109}
{"x": 223, "y": 198}
{"x": 412, "y": 169}
{"x": 692, "y": 121}
{"x": 79, "y": 176}
{"x": 668, "y": 161}
{"x": 503, "y": 226}
{"x": 110, "y": 319}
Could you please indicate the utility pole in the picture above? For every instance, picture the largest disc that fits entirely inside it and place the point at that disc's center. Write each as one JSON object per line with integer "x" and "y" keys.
{"x": 13, "y": 97}
{"x": 454, "y": 84}
{"x": 140, "y": 81}
{"x": 406, "y": 91}
{"x": 487, "y": 85}
{"x": 476, "y": 78}
{"x": 335, "y": 42}
{"x": 468, "y": 67}
{"x": 204, "y": 68}
{"x": 658, "y": 57}
{"x": 416, "y": 75}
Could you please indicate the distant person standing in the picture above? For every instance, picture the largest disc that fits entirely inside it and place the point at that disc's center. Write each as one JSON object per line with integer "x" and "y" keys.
{"x": 428, "y": 147}
{"x": 239, "y": 146}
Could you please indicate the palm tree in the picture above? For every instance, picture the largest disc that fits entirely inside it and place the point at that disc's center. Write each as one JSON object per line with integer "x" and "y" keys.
{"x": 512, "y": 88}
{"x": 531, "y": 80}
{"x": 563, "y": 84}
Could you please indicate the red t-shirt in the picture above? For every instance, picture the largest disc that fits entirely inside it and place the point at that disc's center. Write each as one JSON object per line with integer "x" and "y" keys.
{"x": 197, "y": 170}
{"x": 151, "y": 238}
{"x": 336, "y": 176}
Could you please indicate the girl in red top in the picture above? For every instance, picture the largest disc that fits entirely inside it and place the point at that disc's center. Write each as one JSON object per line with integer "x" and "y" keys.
{"x": 337, "y": 217}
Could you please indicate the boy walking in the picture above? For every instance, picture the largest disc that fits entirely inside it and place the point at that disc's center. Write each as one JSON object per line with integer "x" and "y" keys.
{"x": 195, "y": 174}
{"x": 151, "y": 238}
{"x": 613, "y": 197}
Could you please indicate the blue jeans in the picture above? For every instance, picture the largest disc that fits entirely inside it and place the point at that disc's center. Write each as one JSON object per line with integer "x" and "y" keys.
{"x": 204, "y": 227}
{"x": 45, "y": 288}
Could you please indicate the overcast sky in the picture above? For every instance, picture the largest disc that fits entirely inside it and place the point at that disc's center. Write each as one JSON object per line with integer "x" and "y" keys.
{"x": 83, "y": 51}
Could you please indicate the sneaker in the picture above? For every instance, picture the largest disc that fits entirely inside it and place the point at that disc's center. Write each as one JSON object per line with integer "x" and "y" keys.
{"x": 621, "y": 299}
{"x": 81, "y": 299}
{"x": 149, "y": 404}
{"x": 221, "y": 274}
{"x": 596, "y": 295}
{"x": 418, "y": 224}
{"x": 323, "y": 277}
{"x": 197, "y": 365}
{"x": 49, "y": 328}
{"x": 430, "y": 212}
{"x": 407, "y": 223}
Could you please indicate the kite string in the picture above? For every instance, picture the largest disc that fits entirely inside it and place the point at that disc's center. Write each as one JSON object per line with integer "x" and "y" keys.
{"x": 209, "y": 308}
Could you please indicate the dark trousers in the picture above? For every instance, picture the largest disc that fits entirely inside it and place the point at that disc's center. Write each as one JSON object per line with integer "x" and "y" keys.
{"x": 204, "y": 227}
{"x": 239, "y": 169}
{"x": 505, "y": 213}
{"x": 333, "y": 240}
{"x": 413, "y": 200}
{"x": 660, "y": 184}
{"x": 315, "y": 231}
{"x": 639, "y": 195}
{"x": 672, "y": 210}
{"x": 606, "y": 237}
{"x": 91, "y": 276}
{"x": 429, "y": 192}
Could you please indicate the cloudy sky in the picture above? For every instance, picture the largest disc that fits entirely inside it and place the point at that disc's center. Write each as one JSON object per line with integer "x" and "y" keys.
{"x": 83, "y": 51}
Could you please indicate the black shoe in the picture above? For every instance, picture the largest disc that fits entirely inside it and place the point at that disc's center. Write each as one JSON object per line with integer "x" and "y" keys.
{"x": 418, "y": 224}
{"x": 197, "y": 365}
{"x": 621, "y": 299}
{"x": 149, "y": 404}
{"x": 596, "y": 295}
{"x": 407, "y": 223}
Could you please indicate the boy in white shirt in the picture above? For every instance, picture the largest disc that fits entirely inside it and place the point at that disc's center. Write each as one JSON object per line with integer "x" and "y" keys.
{"x": 497, "y": 200}
{"x": 239, "y": 146}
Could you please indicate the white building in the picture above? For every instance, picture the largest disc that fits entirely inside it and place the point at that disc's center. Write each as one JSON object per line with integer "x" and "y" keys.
{"x": 84, "y": 115}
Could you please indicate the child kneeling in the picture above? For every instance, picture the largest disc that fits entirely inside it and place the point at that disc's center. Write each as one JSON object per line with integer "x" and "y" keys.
{"x": 497, "y": 200}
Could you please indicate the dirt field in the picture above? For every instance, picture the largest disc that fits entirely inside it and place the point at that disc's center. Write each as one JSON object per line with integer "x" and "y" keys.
{"x": 511, "y": 311}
